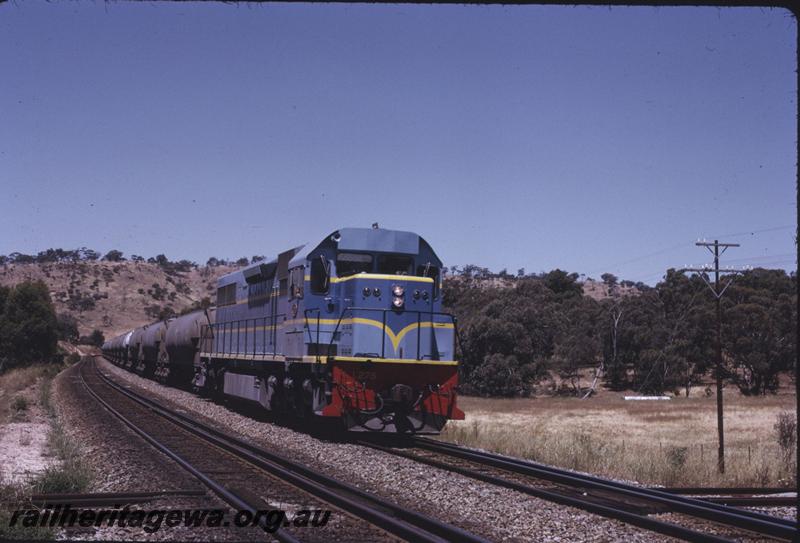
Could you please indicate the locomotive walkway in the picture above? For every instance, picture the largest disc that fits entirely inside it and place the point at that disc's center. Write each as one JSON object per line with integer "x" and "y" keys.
{"x": 241, "y": 473}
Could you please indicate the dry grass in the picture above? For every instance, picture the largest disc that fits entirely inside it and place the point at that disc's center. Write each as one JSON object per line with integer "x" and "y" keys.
{"x": 71, "y": 473}
{"x": 68, "y": 474}
{"x": 17, "y": 390}
{"x": 654, "y": 442}
{"x": 18, "y": 496}
{"x": 12, "y": 383}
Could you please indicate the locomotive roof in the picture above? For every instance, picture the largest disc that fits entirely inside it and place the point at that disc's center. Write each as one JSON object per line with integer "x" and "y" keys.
{"x": 373, "y": 240}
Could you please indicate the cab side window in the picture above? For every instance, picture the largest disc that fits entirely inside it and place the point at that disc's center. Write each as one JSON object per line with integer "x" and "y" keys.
{"x": 320, "y": 275}
{"x": 226, "y": 295}
{"x": 296, "y": 279}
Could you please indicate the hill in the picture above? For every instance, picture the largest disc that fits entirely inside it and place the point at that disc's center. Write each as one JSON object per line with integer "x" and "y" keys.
{"x": 116, "y": 296}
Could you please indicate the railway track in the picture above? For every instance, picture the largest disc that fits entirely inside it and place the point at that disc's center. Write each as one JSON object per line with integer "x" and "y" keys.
{"x": 611, "y": 499}
{"x": 240, "y": 472}
{"x": 739, "y": 496}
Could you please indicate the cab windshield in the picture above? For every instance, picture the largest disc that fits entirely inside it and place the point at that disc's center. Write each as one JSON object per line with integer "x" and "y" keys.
{"x": 352, "y": 263}
{"x": 395, "y": 264}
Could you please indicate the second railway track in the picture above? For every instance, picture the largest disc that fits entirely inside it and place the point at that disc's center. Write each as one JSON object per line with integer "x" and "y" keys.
{"x": 611, "y": 499}
{"x": 250, "y": 478}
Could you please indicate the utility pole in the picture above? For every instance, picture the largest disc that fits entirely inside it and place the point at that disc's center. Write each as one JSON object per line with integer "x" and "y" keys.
{"x": 716, "y": 245}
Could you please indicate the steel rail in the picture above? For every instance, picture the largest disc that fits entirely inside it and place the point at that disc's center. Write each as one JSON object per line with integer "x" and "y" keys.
{"x": 746, "y": 520}
{"x": 108, "y": 498}
{"x": 586, "y": 504}
{"x": 724, "y": 491}
{"x": 386, "y": 515}
{"x": 754, "y": 501}
{"x": 738, "y": 496}
{"x": 231, "y": 497}
{"x": 656, "y": 493}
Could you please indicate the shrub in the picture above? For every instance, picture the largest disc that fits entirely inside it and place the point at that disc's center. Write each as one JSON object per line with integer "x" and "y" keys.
{"x": 676, "y": 457}
{"x": 28, "y": 324}
{"x": 67, "y": 327}
{"x": 71, "y": 476}
{"x": 786, "y": 430}
{"x": 78, "y": 301}
{"x": 19, "y": 404}
{"x": 114, "y": 256}
{"x": 501, "y": 375}
{"x": 96, "y": 338}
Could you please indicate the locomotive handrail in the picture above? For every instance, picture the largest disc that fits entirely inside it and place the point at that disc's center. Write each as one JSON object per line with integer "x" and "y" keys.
{"x": 307, "y": 327}
{"x": 241, "y": 336}
{"x": 228, "y": 329}
{"x": 384, "y": 311}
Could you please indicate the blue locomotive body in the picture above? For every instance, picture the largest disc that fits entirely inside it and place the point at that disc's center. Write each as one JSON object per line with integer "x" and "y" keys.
{"x": 349, "y": 328}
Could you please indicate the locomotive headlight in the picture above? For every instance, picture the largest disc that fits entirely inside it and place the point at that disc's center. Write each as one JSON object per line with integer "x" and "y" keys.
{"x": 398, "y": 290}
{"x": 397, "y": 302}
{"x": 367, "y": 291}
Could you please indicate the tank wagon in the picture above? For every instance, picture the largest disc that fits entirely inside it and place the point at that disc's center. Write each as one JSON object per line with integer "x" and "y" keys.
{"x": 348, "y": 329}
{"x": 181, "y": 347}
{"x": 134, "y": 350}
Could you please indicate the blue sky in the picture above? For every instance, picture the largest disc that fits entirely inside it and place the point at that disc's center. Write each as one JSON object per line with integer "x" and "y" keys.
{"x": 591, "y": 139}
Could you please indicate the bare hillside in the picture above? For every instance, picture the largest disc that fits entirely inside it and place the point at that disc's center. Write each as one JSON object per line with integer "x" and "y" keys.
{"x": 116, "y": 296}
{"x": 600, "y": 291}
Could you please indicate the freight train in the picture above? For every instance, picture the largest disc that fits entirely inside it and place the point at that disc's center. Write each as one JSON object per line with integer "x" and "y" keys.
{"x": 350, "y": 329}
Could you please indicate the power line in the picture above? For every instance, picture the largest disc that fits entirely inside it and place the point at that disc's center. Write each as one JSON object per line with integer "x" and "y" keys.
{"x": 684, "y": 245}
{"x": 763, "y": 257}
{"x": 753, "y": 232}
{"x": 765, "y": 260}
{"x": 643, "y": 257}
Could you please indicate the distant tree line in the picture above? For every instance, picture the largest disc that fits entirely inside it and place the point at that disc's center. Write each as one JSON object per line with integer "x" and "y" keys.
{"x": 88, "y": 255}
{"x": 519, "y": 329}
{"x": 655, "y": 339}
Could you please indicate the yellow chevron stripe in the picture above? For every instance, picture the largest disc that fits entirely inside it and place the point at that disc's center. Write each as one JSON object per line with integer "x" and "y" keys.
{"x": 394, "y": 338}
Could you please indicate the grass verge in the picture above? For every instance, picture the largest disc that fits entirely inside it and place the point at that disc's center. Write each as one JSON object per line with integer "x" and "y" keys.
{"x": 655, "y": 443}
{"x": 69, "y": 473}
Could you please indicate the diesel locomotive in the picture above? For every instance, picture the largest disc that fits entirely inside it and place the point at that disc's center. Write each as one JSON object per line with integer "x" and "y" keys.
{"x": 350, "y": 329}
